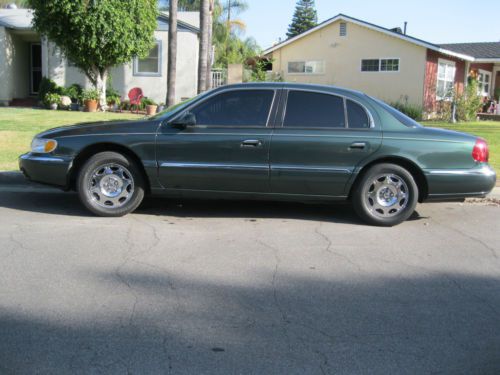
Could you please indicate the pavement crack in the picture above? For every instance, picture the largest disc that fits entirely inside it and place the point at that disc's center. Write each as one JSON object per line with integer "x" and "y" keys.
{"x": 329, "y": 244}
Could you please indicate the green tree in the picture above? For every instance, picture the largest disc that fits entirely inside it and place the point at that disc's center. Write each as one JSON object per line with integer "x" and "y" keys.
{"x": 97, "y": 34}
{"x": 304, "y": 18}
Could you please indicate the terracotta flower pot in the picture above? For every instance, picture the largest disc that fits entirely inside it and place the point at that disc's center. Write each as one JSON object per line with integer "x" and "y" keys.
{"x": 91, "y": 105}
{"x": 151, "y": 110}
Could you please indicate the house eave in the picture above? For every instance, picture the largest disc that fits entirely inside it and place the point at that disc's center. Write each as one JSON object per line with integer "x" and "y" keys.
{"x": 370, "y": 26}
{"x": 487, "y": 60}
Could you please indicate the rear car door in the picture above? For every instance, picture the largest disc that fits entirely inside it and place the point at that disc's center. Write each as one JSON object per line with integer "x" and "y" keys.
{"x": 319, "y": 141}
{"x": 227, "y": 149}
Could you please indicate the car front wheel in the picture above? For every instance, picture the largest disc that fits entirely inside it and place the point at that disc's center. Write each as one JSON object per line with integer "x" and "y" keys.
{"x": 386, "y": 195}
{"x": 109, "y": 184}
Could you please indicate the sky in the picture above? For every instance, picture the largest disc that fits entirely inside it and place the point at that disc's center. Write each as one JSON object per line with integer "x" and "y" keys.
{"x": 435, "y": 21}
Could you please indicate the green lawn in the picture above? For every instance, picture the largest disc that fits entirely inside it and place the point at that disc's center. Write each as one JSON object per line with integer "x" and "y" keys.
{"x": 19, "y": 125}
{"x": 489, "y": 130}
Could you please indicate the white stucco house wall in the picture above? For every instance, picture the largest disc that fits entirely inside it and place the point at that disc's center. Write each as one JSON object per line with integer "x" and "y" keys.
{"x": 25, "y": 58}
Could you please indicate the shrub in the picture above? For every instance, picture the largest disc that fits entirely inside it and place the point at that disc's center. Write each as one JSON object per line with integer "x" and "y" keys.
{"x": 48, "y": 86}
{"x": 410, "y": 110}
{"x": 113, "y": 96}
{"x": 147, "y": 101}
{"x": 90, "y": 94}
{"x": 468, "y": 103}
{"x": 51, "y": 98}
{"x": 74, "y": 92}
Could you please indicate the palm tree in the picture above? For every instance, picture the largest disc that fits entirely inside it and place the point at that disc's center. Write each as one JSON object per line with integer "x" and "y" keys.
{"x": 172, "y": 52}
{"x": 203, "y": 54}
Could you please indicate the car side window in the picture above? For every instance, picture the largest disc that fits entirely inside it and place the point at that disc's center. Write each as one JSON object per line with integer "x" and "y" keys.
{"x": 357, "y": 116}
{"x": 306, "y": 109}
{"x": 235, "y": 108}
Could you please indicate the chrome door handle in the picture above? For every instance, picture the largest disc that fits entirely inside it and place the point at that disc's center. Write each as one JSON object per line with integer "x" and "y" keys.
{"x": 251, "y": 143}
{"x": 357, "y": 146}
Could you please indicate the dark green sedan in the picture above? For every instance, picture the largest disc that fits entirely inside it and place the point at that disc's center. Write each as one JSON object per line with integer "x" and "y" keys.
{"x": 266, "y": 141}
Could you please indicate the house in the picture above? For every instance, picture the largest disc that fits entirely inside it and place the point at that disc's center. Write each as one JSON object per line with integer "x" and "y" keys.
{"x": 385, "y": 63}
{"x": 25, "y": 58}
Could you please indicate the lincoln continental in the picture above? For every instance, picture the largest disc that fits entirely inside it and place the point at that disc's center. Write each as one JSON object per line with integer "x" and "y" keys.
{"x": 275, "y": 141}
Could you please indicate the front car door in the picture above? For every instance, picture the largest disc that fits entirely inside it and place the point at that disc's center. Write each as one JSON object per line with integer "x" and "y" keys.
{"x": 228, "y": 147}
{"x": 319, "y": 141}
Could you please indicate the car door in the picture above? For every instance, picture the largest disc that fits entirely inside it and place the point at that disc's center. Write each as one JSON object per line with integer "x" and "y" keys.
{"x": 228, "y": 147}
{"x": 319, "y": 141}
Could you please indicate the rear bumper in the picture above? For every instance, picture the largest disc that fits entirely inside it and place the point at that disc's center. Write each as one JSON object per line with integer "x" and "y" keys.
{"x": 46, "y": 169}
{"x": 460, "y": 183}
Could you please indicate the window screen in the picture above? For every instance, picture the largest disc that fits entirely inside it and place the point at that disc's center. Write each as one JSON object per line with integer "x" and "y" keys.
{"x": 235, "y": 108}
{"x": 314, "y": 110}
{"x": 357, "y": 116}
{"x": 370, "y": 65}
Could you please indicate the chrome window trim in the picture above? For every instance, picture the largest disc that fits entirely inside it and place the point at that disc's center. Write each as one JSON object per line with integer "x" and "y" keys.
{"x": 226, "y": 90}
{"x": 345, "y": 98}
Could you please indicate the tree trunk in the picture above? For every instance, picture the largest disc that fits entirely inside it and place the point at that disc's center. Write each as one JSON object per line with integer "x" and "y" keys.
{"x": 210, "y": 55}
{"x": 100, "y": 85}
{"x": 172, "y": 52}
{"x": 203, "y": 52}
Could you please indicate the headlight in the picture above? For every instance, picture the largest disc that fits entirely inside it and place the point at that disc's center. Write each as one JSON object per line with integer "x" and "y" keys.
{"x": 43, "y": 146}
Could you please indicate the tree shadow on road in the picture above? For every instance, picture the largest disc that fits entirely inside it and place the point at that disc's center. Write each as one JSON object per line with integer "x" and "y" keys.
{"x": 162, "y": 322}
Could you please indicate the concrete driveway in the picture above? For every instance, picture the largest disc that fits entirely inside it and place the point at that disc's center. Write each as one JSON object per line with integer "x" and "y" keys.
{"x": 201, "y": 287}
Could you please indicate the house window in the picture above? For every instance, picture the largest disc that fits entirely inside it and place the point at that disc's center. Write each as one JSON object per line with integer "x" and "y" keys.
{"x": 445, "y": 79}
{"x": 370, "y": 65}
{"x": 151, "y": 64}
{"x": 389, "y": 65}
{"x": 380, "y": 65}
{"x": 483, "y": 82}
{"x": 343, "y": 29}
{"x": 306, "y": 67}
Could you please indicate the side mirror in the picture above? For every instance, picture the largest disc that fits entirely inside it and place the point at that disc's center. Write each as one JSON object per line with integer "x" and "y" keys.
{"x": 185, "y": 120}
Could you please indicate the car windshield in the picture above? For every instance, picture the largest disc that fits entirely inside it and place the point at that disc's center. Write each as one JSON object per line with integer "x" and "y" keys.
{"x": 174, "y": 108}
{"x": 401, "y": 117}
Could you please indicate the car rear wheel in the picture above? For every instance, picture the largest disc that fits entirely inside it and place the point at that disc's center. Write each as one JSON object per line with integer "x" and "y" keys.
{"x": 386, "y": 195}
{"x": 110, "y": 184}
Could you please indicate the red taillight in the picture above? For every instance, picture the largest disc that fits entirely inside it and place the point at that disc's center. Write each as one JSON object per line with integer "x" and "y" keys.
{"x": 480, "y": 151}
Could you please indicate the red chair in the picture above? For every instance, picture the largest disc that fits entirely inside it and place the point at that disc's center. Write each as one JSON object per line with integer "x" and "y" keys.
{"x": 135, "y": 95}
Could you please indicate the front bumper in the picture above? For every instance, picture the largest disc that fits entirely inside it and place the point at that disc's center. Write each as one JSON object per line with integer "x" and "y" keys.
{"x": 460, "y": 183}
{"x": 46, "y": 168}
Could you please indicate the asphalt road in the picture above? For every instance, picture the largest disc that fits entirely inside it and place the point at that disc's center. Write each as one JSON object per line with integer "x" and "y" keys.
{"x": 200, "y": 287}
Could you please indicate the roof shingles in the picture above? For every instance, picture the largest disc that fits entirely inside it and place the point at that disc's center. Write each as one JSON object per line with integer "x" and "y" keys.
{"x": 486, "y": 50}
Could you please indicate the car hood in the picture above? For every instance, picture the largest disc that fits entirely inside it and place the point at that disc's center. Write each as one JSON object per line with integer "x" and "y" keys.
{"x": 103, "y": 127}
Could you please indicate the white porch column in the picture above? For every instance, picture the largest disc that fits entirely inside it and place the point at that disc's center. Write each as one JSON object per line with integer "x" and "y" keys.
{"x": 45, "y": 57}
{"x": 6, "y": 74}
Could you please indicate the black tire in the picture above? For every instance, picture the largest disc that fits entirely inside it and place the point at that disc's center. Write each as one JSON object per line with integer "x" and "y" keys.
{"x": 124, "y": 172}
{"x": 372, "y": 192}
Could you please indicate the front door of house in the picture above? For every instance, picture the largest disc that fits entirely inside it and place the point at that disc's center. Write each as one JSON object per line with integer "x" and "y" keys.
{"x": 35, "y": 67}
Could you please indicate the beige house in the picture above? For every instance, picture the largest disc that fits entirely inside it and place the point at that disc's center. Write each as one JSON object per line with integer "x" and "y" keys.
{"x": 25, "y": 58}
{"x": 385, "y": 63}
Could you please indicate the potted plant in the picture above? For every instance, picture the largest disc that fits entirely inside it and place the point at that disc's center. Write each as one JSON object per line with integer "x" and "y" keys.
{"x": 151, "y": 106}
{"x": 90, "y": 98}
{"x": 113, "y": 102}
{"x": 74, "y": 92}
{"x": 161, "y": 107}
{"x": 52, "y": 100}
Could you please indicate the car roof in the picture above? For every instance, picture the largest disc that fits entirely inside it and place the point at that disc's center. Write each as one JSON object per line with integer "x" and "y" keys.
{"x": 292, "y": 85}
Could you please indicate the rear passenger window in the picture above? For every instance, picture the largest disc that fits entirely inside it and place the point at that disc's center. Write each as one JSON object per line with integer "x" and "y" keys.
{"x": 357, "y": 116}
{"x": 314, "y": 110}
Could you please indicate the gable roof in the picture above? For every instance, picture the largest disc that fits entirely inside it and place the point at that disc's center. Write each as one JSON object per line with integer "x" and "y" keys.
{"x": 374, "y": 27}
{"x": 480, "y": 51}
{"x": 20, "y": 19}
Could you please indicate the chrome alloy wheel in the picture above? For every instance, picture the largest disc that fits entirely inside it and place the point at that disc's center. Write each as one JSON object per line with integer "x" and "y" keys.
{"x": 111, "y": 185}
{"x": 386, "y": 195}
